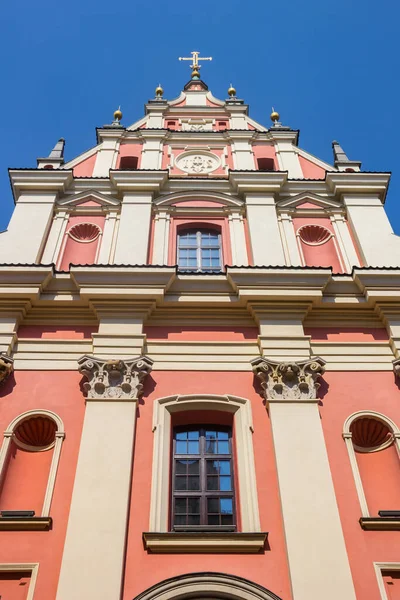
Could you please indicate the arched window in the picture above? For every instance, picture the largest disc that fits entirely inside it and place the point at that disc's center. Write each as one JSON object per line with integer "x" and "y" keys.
{"x": 199, "y": 250}
{"x": 373, "y": 443}
{"x": 29, "y": 459}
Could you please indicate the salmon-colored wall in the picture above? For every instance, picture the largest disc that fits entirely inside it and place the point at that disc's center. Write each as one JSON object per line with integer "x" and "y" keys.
{"x": 348, "y": 334}
{"x": 323, "y": 255}
{"x": 59, "y": 392}
{"x": 375, "y": 468}
{"x": 310, "y": 169}
{"x": 142, "y": 569}
{"x": 57, "y": 332}
{"x": 342, "y": 394}
{"x": 265, "y": 151}
{"x": 83, "y": 253}
{"x": 190, "y": 333}
{"x": 129, "y": 149}
{"x": 25, "y": 480}
{"x": 14, "y": 585}
{"x": 85, "y": 168}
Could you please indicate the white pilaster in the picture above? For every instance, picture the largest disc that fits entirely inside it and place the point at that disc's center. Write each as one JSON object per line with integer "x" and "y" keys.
{"x": 238, "y": 239}
{"x": 286, "y": 152}
{"x": 152, "y": 151}
{"x": 104, "y": 257}
{"x": 378, "y": 244}
{"x": 134, "y": 229}
{"x": 242, "y": 153}
{"x": 264, "y": 232}
{"x": 290, "y": 240}
{"x": 345, "y": 242}
{"x": 161, "y": 238}
{"x": 106, "y": 157}
{"x": 54, "y": 239}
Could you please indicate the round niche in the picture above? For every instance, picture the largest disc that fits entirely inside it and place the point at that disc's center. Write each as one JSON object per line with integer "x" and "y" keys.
{"x": 195, "y": 162}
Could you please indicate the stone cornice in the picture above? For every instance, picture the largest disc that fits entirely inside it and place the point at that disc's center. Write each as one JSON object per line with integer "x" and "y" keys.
{"x": 42, "y": 180}
{"x": 341, "y": 182}
{"x": 245, "y": 182}
{"x": 109, "y": 133}
{"x": 378, "y": 284}
{"x": 138, "y": 181}
{"x": 24, "y": 282}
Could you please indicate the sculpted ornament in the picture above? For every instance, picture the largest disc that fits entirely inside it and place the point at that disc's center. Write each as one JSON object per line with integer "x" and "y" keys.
{"x": 6, "y": 367}
{"x": 289, "y": 381}
{"x": 396, "y": 367}
{"x": 114, "y": 379}
{"x": 197, "y": 162}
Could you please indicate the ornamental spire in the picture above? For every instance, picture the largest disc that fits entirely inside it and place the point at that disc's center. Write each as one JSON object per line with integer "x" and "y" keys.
{"x": 195, "y": 63}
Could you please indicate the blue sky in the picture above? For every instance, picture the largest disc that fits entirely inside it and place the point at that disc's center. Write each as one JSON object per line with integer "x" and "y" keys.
{"x": 330, "y": 68}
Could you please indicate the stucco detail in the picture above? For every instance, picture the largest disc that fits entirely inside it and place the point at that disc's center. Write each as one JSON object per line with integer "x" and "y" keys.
{"x": 289, "y": 381}
{"x": 114, "y": 379}
{"x": 396, "y": 367}
{"x": 6, "y": 367}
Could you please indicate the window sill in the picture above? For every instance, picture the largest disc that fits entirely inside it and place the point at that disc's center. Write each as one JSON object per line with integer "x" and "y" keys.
{"x": 380, "y": 523}
{"x": 25, "y": 523}
{"x": 202, "y": 542}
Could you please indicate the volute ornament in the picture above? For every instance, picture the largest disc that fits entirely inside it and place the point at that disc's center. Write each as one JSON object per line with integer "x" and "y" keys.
{"x": 6, "y": 367}
{"x": 117, "y": 379}
{"x": 396, "y": 367}
{"x": 291, "y": 380}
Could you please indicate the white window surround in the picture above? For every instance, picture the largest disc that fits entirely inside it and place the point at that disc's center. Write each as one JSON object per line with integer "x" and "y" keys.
{"x": 59, "y": 437}
{"x": 347, "y": 436}
{"x": 23, "y": 567}
{"x": 379, "y": 568}
{"x": 164, "y": 408}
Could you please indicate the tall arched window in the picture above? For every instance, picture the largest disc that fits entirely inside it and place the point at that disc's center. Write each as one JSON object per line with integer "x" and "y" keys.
{"x": 373, "y": 443}
{"x": 29, "y": 459}
{"x": 199, "y": 250}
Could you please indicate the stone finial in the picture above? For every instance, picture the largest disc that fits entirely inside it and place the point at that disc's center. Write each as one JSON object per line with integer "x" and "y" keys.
{"x": 114, "y": 379}
{"x": 6, "y": 367}
{"x": 55, "y": 159}
{"x": 291, "y": 380}
{"x": 342, "y": 162}
{"x": 58, "y": 150}
{"x": 396, "y": 367}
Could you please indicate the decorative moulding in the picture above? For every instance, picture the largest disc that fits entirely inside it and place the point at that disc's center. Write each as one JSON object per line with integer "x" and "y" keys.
{"x": 6, "y": 367}
{"x": 314, "y": 235}
{"x": 396, "y": 367}
{"x": 289, "y": 381}
{"x": 110, "y": 379}
{"x": 204, "y": 542}
{"x": 84, "y": 232}
{"x": 195, "y": 161}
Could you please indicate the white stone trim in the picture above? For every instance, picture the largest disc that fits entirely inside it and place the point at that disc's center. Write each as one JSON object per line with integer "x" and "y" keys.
{"x": 241, "y": 409}
{"x": 347, "y": 436}
{"x": 384, "y": 566}
{"x": 60, "y": 435}
{"x": 23, "y": 567}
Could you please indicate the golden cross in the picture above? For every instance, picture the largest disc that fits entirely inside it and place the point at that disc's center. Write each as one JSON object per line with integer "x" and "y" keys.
{"x": 195, "y": 60}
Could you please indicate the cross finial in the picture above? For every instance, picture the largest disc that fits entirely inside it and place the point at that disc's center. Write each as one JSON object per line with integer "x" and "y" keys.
{"x": 195, "y": 62}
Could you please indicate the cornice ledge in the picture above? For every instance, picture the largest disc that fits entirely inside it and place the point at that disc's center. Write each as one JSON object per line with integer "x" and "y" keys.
{"x": 341, "y": 182}
{"x": 289, "y": 381}
{"x": 114, "y": 379}
{"x": 109, "y": 133}
{"x": 6, "y": 367}
{"x": 378, "y": 283}
{"x": 24, "y": 282}
{"x": 45, "y": 180}
{"x": 245, "y": 182}
{"x": 283, "y": 283}
{"x": 138, "y": 181}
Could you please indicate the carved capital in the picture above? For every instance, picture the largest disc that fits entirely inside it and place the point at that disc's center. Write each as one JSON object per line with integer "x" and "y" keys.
{"x": 289, "y": 381}
{"x": 114, "y": 379}
{"x": 6, "y": 367}
{"x": 396, "y": 367}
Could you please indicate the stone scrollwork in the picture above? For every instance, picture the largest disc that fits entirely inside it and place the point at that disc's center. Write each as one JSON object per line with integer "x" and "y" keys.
{"x": 396, "y": 367}
{"x": 197, "y": 162}
{"x": 6, "y": 367}
{"x": 291, "y": 380}
{"x": 114, "y": 379}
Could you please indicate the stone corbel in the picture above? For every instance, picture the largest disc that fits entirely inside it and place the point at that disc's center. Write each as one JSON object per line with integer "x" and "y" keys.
{"x": 6, "y": 367}
{"x": 289, "y": 381}
{"x": 118, "y": 379}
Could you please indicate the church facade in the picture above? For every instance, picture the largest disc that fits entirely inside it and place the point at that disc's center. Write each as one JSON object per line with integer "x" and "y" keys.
{"x": 199, "y": 337}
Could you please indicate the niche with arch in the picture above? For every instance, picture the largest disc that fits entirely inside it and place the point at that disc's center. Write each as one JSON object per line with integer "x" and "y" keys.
{"x": 29, "y": 459}
{"x": 373, "y": 445}
{"x": 317, "y": 246}
{"x": 81, "y": 243}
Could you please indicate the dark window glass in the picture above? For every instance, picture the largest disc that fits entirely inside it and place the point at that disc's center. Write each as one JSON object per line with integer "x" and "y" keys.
{"x": 202, "y": 479}
{"x": 128, "y": 163}
{"x": 265, "y": 164}
{"x": 199, "y": 250}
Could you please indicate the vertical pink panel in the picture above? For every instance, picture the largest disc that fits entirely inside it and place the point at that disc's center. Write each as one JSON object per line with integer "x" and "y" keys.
{"x": 392, "y": 584}
{"x": 380, "y": 475}
{"x": 14, "y": 585}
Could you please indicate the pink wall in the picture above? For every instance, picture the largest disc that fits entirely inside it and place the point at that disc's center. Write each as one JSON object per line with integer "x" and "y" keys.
{"x": 265, "y": 151}
{"x": 322, "y": 255}
{"x": 346, "y": 393}
{"x": 85, "y": 168}
{"x": 14, "y": 586}
{"x": 59, "y": 392}
{"x": 142, "y": 569}
{"x": 57, "y": 332}
{"x": 75, "y": 252}
{"x": 210, "y": 334}
{"x": 129, "y": 149}
{"x": 310, "y": 169}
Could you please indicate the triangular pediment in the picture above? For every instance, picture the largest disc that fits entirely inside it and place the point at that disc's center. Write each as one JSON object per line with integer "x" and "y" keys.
{"x": 177, "y": 198}
{"x": 91, "y": 198}
{"x": 308, "y": 201}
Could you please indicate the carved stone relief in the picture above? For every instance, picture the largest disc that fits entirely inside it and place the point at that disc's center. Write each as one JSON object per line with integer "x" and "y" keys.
{"x": 6, "y": 367}
{"x": 396, "y": 367}
{"x": 196, "y": 125}
{"x": 289, "y": 381}
{"x": 114, "y": 379}
{"x": 197, "y": 162}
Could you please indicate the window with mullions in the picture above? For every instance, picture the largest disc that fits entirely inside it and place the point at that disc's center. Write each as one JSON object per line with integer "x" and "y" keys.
{"x": 199, "y": 250}
{"x": 202, "y": 489}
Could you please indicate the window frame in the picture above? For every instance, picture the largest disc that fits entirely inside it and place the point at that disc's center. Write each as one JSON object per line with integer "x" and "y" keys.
{"x": 203, "y": 493}
{"x": 199, "y": 247}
